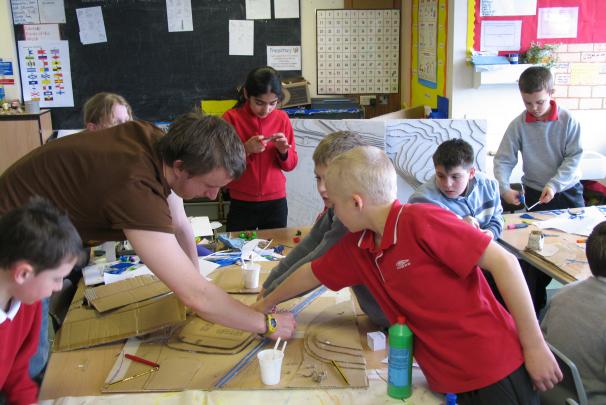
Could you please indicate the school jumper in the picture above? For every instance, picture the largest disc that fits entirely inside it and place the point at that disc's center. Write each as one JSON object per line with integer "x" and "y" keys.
{"x": 327, "y": 231}
{"x": 464, "y": 340}
{"x": 263, "y": 180}
{"x": 481, "y": 200}
{"x": 19, "y": 331}
{"x": 574, "y": 323}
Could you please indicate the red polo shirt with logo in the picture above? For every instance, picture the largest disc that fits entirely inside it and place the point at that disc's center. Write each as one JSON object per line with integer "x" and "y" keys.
{"x": 426, "y": 270}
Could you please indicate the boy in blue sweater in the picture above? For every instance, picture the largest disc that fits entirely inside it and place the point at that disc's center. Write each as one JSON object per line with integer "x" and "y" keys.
{"x": 459, "y": 188}
{"x": 549, "y": 139}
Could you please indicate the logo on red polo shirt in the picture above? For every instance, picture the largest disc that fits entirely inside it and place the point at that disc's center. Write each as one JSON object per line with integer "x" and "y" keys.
{"x": 402, "y": 264}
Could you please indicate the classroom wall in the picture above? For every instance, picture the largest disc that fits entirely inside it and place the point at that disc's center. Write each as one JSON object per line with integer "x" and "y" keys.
{"x": 498, "y": 104}
{"x": 7, "y": 47}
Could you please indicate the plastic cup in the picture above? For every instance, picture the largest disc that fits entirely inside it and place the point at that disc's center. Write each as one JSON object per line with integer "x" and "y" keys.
{"x": 250, "y": 273}
{"x": 270, "y": 364}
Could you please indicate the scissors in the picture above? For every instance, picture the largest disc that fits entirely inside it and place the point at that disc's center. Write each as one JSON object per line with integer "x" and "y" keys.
{"x": 522, "y": 199}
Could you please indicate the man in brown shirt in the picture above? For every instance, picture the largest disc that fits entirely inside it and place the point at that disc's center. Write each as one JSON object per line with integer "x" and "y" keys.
{"x": 128, "y": 182}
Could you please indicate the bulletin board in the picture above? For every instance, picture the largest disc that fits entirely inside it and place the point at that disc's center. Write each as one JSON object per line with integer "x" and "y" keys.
{"x": 429, "y": 22}
{"x": 590, "y": 28}
{"x": 358, "y": 51}
{"x": 163, "y": 74}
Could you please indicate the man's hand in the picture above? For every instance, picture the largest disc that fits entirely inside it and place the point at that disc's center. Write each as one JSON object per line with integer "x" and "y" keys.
{"x": 546, "y": 195}
{"x": 286, "y": 326}
{"x": 256, "y": 144}
{"x": 542, "y": 368}
{"x": 511, "y": 197}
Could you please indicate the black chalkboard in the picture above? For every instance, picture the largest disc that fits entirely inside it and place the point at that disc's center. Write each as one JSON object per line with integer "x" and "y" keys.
{"x": 163, "y": 74}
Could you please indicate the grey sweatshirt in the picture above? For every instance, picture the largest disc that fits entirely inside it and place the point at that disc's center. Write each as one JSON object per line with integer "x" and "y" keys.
{"x": 575, "y": 324}
{"x": 327, "y": 231}
{"x": 551, "y": 152}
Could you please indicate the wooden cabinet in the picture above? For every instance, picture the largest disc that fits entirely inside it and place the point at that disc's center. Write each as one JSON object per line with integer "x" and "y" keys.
{"x": 21, "y": 133}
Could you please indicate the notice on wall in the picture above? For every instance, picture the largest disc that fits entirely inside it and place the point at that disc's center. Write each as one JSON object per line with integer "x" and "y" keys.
{"x": 258, "y": 9}
{"x": 179, "y": 15}
{"x": 38, "y": 11}
{"x": 41, "y": 32}
{"x": 427, "y": 61}
{"x": 500, "y": 35}
{"x": 284, "y": 57}
{"x": 46, "y": 73}
{"x": 241, "y": 37}
{"x": 489, "y": 8}
{"x": 558, "y": 22}
{"x": 286, "y": 8}
{"x": 92, "y": 27}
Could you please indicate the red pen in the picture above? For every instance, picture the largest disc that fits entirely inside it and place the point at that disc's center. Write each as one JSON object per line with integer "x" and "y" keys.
{"x": 141, "y": 360}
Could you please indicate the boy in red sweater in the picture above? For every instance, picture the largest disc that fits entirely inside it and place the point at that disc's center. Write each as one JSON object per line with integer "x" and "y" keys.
{"x": 258, "y": 198}
{"x": 39, "y": 246}
{"x": 421, "y": 262}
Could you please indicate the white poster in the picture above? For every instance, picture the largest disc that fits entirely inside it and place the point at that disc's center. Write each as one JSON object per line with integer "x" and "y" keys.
{"x": 51, "y": 11}
{"x": 41, "y": 32}
{"x": 179, "y": 15}
{"x": 558, "y": 22}
{"x": 241, "y": 37}
{"x": 284, "y": 57}
{"x": 286, "y": 8}
{"x": 92, "y": 27}
{"x": 495, "y": 8}
{"x": 25, "y": 12}
{"x": 46, "y": 73}
{"x": 258, "y": 10}
{"x": 500, "y": 35}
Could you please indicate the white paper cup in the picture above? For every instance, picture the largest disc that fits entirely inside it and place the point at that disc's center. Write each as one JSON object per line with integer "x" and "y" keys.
{"x": 250, "y": 273}
{"x": 32, "y": 107}
{"x": 270, "y": 364}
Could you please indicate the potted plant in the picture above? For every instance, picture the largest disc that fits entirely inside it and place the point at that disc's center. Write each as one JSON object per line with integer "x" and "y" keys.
{"x": 539, "y": 54}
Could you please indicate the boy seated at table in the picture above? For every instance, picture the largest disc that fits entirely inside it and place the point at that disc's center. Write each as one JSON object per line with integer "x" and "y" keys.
{"x": 39, "y": 246}
{"x": 422, "y": 263}
{"x": 459, "y": 188}
{"x": 327, "y": 230}
{"x": 574, "y": 320}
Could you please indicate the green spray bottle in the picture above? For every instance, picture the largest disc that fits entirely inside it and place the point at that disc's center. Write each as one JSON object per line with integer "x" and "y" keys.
{"x": 399, "y": 371}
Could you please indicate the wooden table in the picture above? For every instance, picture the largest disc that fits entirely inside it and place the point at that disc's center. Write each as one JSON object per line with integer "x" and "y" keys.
{"x": 567, "y": 266}
{"x": 82, "y": 372}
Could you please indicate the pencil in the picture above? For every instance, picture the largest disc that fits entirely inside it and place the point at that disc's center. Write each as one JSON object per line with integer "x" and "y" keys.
{"x": 334, "y": 363}
{"x": 141, "y": 360}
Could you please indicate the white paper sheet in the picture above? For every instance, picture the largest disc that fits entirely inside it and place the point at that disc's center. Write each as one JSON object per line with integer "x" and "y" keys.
{"x": 286, "y": 8}
{"x": 241, "y": 37}
{"x": 42, "y": 32}
{"x": 258, "y": 9}
{"x": 284, "y": 57}
{"x": 51, "y": 11}
{"x": 558, "y": 22}
{"x": 501, "y": 35}
{"x": 25, "y": 12}
{"x": 179, "y": 15}
{"x": 201, "y": 226}
{"x": 206, "y": 267}
{"x": 507, "y": 7}
{"x": 92, "y": 27}
{"x": 581, "y": 224}
{"x": 46, "y": 73}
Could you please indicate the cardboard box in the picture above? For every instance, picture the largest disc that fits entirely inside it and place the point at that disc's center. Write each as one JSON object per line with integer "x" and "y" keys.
{"x": 296, "y": 92}
{"x": 417, "y": 112}
{"x": 122, "y": 293}
{"x": 85, "y": 327}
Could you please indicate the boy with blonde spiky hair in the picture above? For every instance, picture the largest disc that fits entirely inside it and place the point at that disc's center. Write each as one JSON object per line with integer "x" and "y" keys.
{"x": 421, "y": 262}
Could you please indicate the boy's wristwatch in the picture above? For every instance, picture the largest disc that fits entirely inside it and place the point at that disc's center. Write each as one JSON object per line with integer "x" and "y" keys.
{"x": 271, "y": 323}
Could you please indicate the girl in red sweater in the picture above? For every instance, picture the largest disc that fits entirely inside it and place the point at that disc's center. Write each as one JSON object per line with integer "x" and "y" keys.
{"x": 258, "y": 198}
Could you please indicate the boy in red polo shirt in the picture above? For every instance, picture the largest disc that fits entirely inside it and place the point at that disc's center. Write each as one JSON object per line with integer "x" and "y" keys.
{"x": 421, "y": 262}
{"x": 38, "y": 248}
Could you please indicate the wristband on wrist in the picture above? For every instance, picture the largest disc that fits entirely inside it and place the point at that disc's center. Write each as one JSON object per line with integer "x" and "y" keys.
{"x": 271, "y": 323}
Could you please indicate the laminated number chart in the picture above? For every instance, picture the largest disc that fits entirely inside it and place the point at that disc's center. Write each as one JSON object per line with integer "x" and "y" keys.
{"x": 358, "y": 51}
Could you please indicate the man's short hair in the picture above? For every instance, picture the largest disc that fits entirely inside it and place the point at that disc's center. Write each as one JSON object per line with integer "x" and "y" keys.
{"x": 39, "y": 234}
{"x": 365, "y": 170}
{"x": 203, "y": 143}
{"x": 595, "y": 249}
{"x": 536, "y": 78}
{"x": 334, "y": 144}
{"x": 453, "y": 153}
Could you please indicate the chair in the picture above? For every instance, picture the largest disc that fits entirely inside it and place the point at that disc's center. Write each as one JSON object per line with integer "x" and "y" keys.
{"x": 570, "y": 390}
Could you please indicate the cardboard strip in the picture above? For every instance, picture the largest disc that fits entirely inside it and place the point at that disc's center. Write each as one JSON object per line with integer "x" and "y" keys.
{"x": 122, "y": 293}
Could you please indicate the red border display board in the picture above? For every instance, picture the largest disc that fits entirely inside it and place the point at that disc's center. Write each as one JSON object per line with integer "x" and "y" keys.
{"x": 591, "y": 24}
